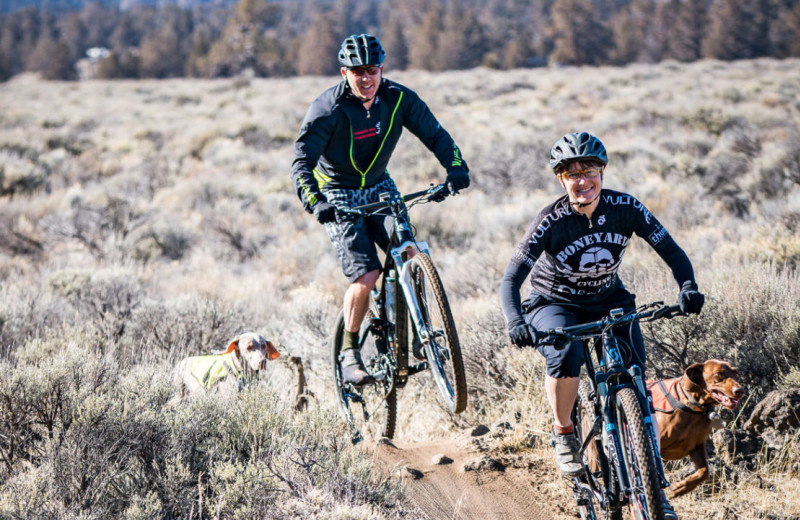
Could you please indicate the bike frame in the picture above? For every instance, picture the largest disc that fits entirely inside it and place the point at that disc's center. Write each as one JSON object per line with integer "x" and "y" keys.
{"x": 402, "y": 242}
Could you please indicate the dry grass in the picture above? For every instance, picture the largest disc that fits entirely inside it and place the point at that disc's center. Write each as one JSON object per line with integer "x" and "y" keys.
{"x": 155, "y": 219}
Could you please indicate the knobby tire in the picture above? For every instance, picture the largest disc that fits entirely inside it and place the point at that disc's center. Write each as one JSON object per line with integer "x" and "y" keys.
{"x": 448, "y": 373}
{"x": 646, "y": 504}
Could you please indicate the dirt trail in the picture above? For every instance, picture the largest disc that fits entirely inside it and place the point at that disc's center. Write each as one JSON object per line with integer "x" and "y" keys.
{"x": 524, "y": 487}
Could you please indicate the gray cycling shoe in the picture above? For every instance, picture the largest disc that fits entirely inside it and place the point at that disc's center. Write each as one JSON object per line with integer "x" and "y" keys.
{"x": 353, "y": 368}
{"x": 568, "y": 457}
{"x": 667, "y": 509}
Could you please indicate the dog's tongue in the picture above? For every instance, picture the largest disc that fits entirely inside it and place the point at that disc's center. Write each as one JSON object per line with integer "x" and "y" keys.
{"x": 725, "y": 401}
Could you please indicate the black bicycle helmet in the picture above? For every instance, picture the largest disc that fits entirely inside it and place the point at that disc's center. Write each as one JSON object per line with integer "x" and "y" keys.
{"x": 359, "y": 50}
{"x": 579, "y": 145}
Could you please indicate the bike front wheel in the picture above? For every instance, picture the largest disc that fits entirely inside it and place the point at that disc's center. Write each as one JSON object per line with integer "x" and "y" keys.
{"x": 370, "y": 410}
{"x": 645, "y": 499}
{"x": 442, "y": 348}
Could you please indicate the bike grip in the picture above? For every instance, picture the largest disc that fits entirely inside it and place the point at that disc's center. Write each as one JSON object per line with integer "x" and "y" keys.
{"x": 668, "y": 311}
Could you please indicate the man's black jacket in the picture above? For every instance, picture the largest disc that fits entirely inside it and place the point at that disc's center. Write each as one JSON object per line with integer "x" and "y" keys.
{"x": 324, "y": 149}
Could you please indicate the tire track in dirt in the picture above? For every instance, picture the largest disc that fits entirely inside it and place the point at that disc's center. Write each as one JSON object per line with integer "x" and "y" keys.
{"x": 446, "y": 491}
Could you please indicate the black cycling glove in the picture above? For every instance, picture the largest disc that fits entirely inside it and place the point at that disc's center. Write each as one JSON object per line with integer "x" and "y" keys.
{"x": 324, "y": 212}
{"x": 690, "y": 299}
{"x": 523, "y": 335}
{"x": 457, "y": 179}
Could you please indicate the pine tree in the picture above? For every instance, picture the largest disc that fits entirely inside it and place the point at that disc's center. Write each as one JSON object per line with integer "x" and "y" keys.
{"x": 460, "y": 39}
{"x": 319, "y": 48}
{"x": 737, "y": 30}
{"x": 686, "y": 43}
{"x": 197, "y": 60}
{"x": 243, "y": 44}
{"x": 579, "y": 36}
{"x": 160, "y": 55}
{"x": 423, "y": 52}
{"x": 662, "y": 30}
{"x": 51, "y": 58}
{"x": 394, "y": 41}
{"x": 785, "y": 32}
{"x": 628, "y": 37}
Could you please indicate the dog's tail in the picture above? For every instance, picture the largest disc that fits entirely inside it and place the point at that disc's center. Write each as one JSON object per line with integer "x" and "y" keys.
{"x": 302, "y": 397}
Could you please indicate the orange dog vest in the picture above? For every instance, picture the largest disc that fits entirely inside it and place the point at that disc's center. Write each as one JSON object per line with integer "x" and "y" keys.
{"x": 660, "y": 401}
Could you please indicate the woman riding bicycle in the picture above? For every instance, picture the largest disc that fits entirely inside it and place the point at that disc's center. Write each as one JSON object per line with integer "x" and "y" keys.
{"x": 573, "y": 249}
{"x": 340, "y": 159}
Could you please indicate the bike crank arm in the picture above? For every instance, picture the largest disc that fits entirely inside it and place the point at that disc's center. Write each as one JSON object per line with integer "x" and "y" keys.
{"x": 417, "y": 368}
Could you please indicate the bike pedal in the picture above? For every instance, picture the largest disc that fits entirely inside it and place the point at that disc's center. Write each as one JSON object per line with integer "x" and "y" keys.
{"x": 378, "y": 324}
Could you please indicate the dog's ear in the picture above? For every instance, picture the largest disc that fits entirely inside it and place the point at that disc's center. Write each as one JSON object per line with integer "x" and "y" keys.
{"x": 271, "y": 351}
{"x": 695, "y": 374}
{"x": 233, "y": 346}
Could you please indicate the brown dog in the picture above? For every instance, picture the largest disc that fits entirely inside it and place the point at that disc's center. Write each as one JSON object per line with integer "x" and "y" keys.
{"x": 683, "y": 409}
{"x": 236, "y": 368}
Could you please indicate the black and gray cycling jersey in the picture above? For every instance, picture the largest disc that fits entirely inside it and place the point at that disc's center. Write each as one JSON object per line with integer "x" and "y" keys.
{"x": 574, "y": 259}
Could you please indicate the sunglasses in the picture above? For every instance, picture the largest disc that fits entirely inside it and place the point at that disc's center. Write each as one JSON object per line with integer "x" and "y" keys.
{"x": 588, "y": 173}
{"x": 360, "y": 71}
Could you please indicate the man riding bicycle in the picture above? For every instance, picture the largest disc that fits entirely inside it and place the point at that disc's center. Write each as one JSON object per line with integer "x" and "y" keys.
{"x": 573, "y": 249}
{"x": 340, "y": 159}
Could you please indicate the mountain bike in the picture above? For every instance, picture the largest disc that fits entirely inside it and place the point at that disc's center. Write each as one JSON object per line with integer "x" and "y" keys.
{"x": 622, "y": 462}
{"x": 417, "y": 318}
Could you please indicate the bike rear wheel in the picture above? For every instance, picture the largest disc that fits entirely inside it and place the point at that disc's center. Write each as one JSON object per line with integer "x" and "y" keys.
{"x": 645, "y": 501}
{"x": 371, "y": 409}
{"x": 442, "y": 350}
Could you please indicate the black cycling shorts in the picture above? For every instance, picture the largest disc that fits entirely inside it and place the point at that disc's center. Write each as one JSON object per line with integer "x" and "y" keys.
{"x": 355, "y": 238}
{"x": 544, "y": 314}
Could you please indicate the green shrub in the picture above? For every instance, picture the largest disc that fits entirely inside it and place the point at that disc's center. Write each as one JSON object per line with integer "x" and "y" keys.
{"x": 751, "y": 318}
{"x": 173, "y": 328}
{"x": 82, "y": 438}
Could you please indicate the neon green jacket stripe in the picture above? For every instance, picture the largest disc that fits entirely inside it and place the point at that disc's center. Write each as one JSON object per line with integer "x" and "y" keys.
{"x": 377, "y": 154}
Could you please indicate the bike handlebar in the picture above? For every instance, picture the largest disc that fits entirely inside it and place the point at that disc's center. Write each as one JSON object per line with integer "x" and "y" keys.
{"x": 433, "y": 192}
{"x": 648, "y": 312}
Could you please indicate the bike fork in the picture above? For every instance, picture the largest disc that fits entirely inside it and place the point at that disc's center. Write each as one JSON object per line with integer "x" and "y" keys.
{"x": 413, "y": 305}
{"x": 612, "y": 441}
{"x": 644, "y": 404}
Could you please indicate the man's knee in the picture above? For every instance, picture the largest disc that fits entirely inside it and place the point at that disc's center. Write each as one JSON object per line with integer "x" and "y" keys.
{"x": 367, "y": 280}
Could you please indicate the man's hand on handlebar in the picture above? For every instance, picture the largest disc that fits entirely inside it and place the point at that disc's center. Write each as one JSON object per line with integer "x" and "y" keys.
{"x": 324, "y": 212}
{"x": 457, "y": 179}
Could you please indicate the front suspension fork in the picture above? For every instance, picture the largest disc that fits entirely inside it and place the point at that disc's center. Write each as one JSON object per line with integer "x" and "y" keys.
{"x": 647, "y": 412}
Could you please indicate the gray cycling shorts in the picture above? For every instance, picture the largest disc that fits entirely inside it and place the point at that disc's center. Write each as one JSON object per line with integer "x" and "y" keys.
{"x": 355, "y": 238}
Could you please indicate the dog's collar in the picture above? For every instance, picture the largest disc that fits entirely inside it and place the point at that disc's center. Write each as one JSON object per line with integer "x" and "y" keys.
{"x": 677, "y": 404}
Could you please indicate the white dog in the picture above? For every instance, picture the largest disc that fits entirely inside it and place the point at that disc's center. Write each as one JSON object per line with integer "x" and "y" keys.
{"x": 235, "y": 369}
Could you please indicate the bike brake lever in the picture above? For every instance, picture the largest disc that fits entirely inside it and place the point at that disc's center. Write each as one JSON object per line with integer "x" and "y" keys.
{"x": 668, "y": 312}
{"x": 558, "y": 341}
{"x": 438, "y": 193}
